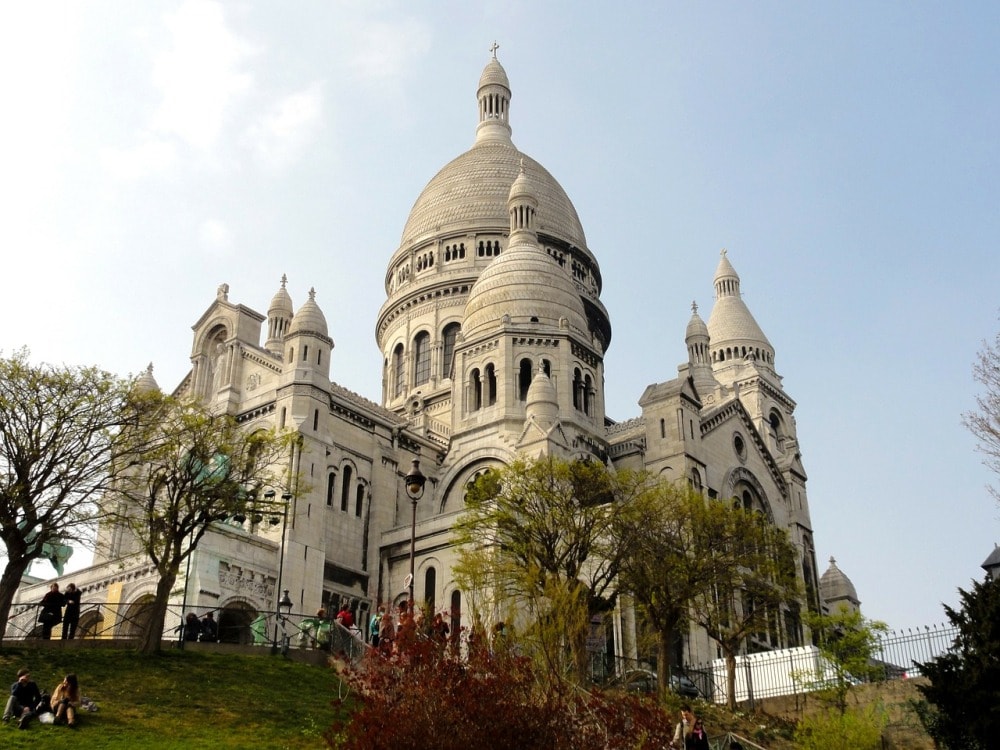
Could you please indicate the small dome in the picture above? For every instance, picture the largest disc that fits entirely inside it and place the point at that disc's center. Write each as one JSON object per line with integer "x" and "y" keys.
{"x": 541, "y": 401}
{"x": 146, "y": 383}
{"x": 834, "y": 586}
{"x": 281, "y": 302}
{"x": 494, "y": 75}
{"x": 696, "y": 326}
{"x": 309, "y": 318}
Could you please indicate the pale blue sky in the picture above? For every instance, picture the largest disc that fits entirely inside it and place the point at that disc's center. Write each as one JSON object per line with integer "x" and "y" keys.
{"x": 845, "y": 154}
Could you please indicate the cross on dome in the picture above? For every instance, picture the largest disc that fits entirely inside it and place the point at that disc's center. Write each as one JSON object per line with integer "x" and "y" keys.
{"x": 494, "y": 49}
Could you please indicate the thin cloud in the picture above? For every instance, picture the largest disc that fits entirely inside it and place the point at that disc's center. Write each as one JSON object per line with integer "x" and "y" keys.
{"x": 282, "y": 134}
{"x": 386, "y": 51}
{"x": 215, "y": 238}
{"x": 201, "y": 75}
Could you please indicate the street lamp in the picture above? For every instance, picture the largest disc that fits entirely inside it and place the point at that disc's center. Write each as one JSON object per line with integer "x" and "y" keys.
{"x": 284, "y": 610}
{"x": 415, "y": 482}
{"x": 286, "y": 498}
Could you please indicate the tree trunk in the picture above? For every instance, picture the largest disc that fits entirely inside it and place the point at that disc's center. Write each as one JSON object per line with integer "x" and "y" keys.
{"x": 11, "y": 579}
{"x": 663, "y": 661}
{"x": 153, "y": 637}
{"x": 731, "y": 680}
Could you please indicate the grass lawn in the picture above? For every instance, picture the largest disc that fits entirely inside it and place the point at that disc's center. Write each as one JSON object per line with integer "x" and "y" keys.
{"x": 179, "y": 699}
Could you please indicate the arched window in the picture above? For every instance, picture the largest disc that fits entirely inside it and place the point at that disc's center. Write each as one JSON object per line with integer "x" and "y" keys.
{"x": 398, "y": 376}
{"x": 491, "y": 384}
{"x": 331, "y": 481}
{"x": 422, "y": 358}
{"x": 475, "y": 391}
{"x": 577, "y": 389}
{"x": 456, "y": 615}
{"x": 588, "y": 395}
{"x": 345, "y": 489}
{"x": 359, "y": 500}
{"x": 430, "y": 585}
{"x": 523, "y": 379}
{"x": 449, "y": 335}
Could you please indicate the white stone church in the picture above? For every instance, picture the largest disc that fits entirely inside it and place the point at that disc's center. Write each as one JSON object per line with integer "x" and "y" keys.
{"x": 493, "y": 337}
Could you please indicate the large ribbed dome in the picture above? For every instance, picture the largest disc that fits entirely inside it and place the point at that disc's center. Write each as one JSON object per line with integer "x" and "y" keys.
{"x": 471, "y": 191}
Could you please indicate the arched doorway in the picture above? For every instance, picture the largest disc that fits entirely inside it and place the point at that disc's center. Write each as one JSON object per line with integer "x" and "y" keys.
{"x": 234, "y": 623}
{"x": 91, "y": 625}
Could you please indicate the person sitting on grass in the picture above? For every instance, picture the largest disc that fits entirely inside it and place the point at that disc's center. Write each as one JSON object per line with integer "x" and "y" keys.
{"x": 24, "y": 700}
{"x": 66, "y": 700}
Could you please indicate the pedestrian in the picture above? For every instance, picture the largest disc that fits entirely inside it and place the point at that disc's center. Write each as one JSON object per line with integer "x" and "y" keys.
{"x": 699, "y": 739}
{"x": 51, "y": 614}
{"x": 25, "y": 700}
{"x": 685, "y": 728}
{"x": 386, "y": 632}
{"x": 373, "y": 626}
{"x": 72, "y": 614}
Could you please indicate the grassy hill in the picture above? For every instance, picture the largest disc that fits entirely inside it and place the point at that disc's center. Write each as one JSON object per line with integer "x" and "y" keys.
{"x": 190, "y": 700}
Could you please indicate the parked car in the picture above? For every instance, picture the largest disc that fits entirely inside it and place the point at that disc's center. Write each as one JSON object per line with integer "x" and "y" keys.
{"x": 644, "y": 681}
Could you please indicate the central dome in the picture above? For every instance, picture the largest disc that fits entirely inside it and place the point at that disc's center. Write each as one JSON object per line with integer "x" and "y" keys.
{"x": 471, "y": 191}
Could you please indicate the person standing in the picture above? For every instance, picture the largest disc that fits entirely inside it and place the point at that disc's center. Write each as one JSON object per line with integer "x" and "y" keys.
{"x": 192, "y": 627}
{"x": 24, "y": 700}
{"x": 72, "y": 614}
{"x": 51, "y": 614}
{"x": 698, "y": 739}
{"x": 66, "y": 700}
{"x": 685, "y": 727}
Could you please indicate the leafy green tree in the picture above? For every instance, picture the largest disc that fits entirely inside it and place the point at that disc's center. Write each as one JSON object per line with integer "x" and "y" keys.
{"x": 670, "y": 559}
{"x": 859, "y": 729}
{"x": 964, "y": 689}
{"x": 848, "y": 642}
{"x": 754, "y": 580}
{"x": 184, "y": 469}
{"x": 59, "y": 430}
{"x": 984, "y": 423}
{"x": 538, "y": 537}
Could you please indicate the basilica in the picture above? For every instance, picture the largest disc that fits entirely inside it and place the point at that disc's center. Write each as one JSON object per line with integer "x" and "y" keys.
{"x": 492, "y": 338}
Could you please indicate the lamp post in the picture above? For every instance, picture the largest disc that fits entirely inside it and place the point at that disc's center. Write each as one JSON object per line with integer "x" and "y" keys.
{"x": 415, "y": 482}
{"x": 284, "y": 609}
{"x": 286, "y": 498}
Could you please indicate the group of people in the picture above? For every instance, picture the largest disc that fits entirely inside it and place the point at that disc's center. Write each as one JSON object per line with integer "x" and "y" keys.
{"x": 27, "y": 701}
{"x": 51, "y": 611}
{"x": 205, "y": 630}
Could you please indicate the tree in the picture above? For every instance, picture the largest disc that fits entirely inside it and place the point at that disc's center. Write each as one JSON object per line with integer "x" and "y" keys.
{"x": 964, "y": 689}
{"x": 848, "y": 642}
{"x": 985, "y": 422}
{"x": 426, "y": 698}
{"x": 754, "y": 579}
{"x": 669, "y": 559}
{"x": 538, "y": 535}
{"x": 184, "y": 469}
{"x": 59, "y": 431}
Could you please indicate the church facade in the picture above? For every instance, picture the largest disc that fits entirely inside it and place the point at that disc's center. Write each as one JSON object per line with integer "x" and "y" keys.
{"x": 492, "y": 336}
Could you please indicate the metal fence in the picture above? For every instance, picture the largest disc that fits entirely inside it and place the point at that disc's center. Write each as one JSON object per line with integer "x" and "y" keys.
{"x": 129, "y": 621}
{"x": 768, "y": 674}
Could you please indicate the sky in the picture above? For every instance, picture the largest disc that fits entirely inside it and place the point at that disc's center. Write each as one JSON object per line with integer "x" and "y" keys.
{"x": 845, "y": 154}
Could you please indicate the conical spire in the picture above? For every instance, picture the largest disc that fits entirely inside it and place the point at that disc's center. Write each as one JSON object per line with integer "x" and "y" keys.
{"x": 734, "y": 333}
{"x": 146, "y": 383}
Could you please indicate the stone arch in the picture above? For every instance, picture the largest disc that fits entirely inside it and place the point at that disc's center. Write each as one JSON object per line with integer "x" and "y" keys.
{"x": 234, "y": 621}
{"x": 742, "y": 478}
{"x": 134, "y": 620}
{"x": 455, "y": 480}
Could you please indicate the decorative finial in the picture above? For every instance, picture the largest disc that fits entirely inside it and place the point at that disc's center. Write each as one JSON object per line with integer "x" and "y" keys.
{"x": 494, "y": 49}
{"x": 521, "y": 169}
{"x": 222, "y": 293}
{"x": 284, "y": 280}
{"x": 694, "y": 307}
{"x": 832, "y": 560}
{"x": 312, "y": 293}
{"x": 149, "y": 369}
{"x": 723, "y": 253}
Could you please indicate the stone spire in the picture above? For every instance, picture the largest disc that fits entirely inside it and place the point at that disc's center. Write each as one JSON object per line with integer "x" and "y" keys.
{"x": 279, "y": 318}
{"x": 494, "y": 102}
